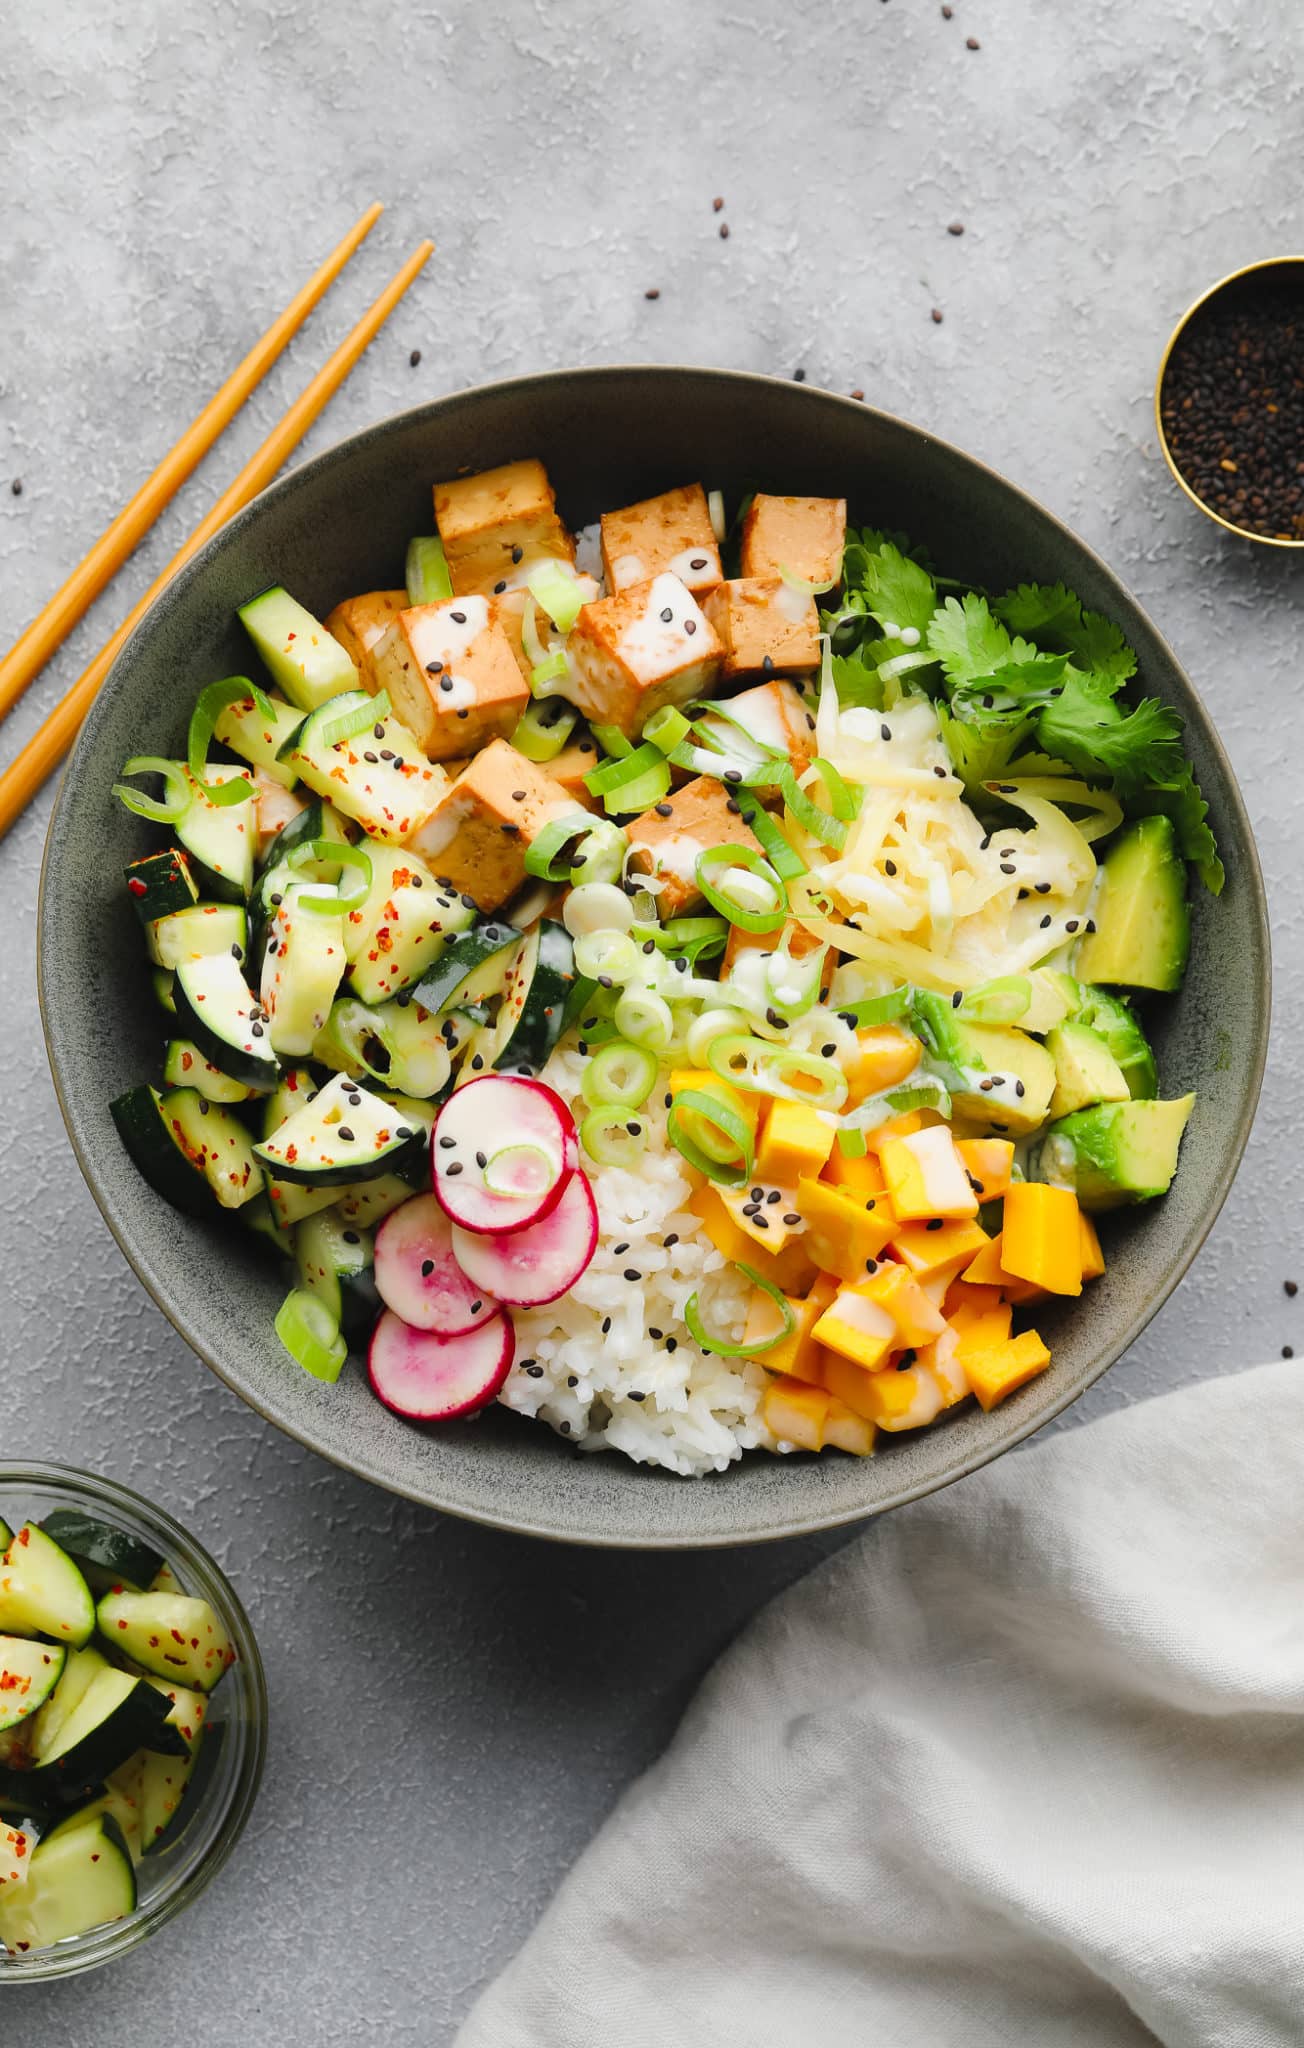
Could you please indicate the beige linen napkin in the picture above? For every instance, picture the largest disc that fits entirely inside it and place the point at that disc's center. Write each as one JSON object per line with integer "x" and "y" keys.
{"x": 1025, "y": 1763}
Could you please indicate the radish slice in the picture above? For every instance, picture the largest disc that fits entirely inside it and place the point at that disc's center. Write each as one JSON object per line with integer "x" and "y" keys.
{"x": 527, "y": 1267}
{"x": 503, "y": 1152}
{"x": 419, "y": 1278}
{"x": 428, "y": 1378}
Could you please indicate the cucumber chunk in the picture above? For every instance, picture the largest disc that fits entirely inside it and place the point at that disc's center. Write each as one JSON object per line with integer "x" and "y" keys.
{"x": 160, "y": 884}
{"x": 303, "y": 965}
{"x": 380, "y": 779}
{"x": 79, "y": 1674}
{"x": 169, "y": 1635}
{"x": 118, "y": 1714}
{"x": 301, "y": 657}
{"x": 42, "y": 1593}
{"x": 344, "y": 1134}
{"x": 184, "y": 1066}
{"x": 225, "y": 1019}
{"x": 216, "y": 1145}
{"x": 29, "y": 1673}
{"x": 257, "y": 740}
{"x": 220, "y": 839}
{"x": 80, "y": 1877}
{"x": 335, "y": 1262}
{"x": 101, "y": 1551}
{"x": 194, "y": 934}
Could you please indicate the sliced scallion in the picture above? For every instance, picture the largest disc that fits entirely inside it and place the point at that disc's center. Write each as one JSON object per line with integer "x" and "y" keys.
{"x": 558, "y": 591}
{"x": 803, "y": 583}
{"x": 351, "y": 723}
{"x": 613, "y": 1134}
{"x": 775, "y": 844}
{"x": 711, "y": 1136}
{"x": 1000, "y": 1001}
{"x": 178, "y": 790}
{"x": 351, "y": 890}
{"x": 722, "y": 1346}
{"x": 721, "y": 866}
{"x": 546, "y": 856}
{"x": 209, "y": 706}
{"x": 691, "y": 938}
{"x": 607, "y": 956}
{"x": 781, "y": 1070}
{"x": 825, "y": 826}
{"x": 876, "y": 1009}
{"x": 620, "y": 1073}
{"x": 543, "y": 730}
{"x": 426, "y": 573}
{"x": 715, "y": 513}
{"x": 645, "y": 1018}
{"x": 612, "y": 741}
{"x": 667, "y": 728}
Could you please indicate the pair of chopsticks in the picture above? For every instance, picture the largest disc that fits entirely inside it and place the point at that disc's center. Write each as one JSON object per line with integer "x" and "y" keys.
{"x": 33, "y": 648}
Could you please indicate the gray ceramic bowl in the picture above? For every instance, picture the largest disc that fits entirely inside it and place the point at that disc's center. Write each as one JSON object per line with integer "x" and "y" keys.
{"x": 340, "y": 524}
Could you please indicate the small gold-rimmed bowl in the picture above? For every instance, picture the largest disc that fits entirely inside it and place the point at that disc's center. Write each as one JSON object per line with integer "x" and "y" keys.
{"x": 1251, "y": 289}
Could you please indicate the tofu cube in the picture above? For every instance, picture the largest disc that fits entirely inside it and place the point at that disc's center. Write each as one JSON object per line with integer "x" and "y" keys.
{"x": 646, "y": 646}
{"x": 494, "y": 524}
{"x": 803, "y": 535}
{"x": 361, "y": 623}
{"x": 764, "y": 626}
{"x": 670, "y": 533}
{"x": 476, "y": 836}
{"x": 665, "y": 842}
{"x": 569, "y": 768}
{"x": 451, "y": 676}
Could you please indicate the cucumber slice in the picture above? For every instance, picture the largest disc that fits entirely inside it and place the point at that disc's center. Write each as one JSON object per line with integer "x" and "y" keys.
{"x": 403, "y": 926}
{"x": 118, "y": 1714}
{"x": 220, "y": 838}
{"x": 260, "y": 1217}
{"x": 365, "y": 1204}
{"x": 303, "y": 965}
{"x": 29, "y": 1673}
{"x": 121, "y": 1799}
{"x": 170, "y": 1792}
{"x": 162, "y": 981}
{"x": 184, "y": 1066}
{"x": 396, "y": 1043}
{"x": 169, "y": 1635}
{"x": 242, "y": 727}
{"x": 102, "y": 1552}
{"x": 155, "y": 1152}
{"x": 79, "y": 1878}
{"x": 536, "y": 989}
{"x": 381, "y": 778}
{"x": 42, "y": 1593}
{"x": 160, "y": 884}
{"x": 471, "y": 969}
{"x": 225, "y": 1019}
{"x": 335, "y": 1262}
{"x": 16, "y": 1846}
{"x": 216, "y": 1145}
{"x": 344, "y": 1134}
{"x": 194, "y": 934}
{"x": 79, "y": 1674}
{"x": 297, "y": 651}
{"x": 288, "y": 1202}
{"x": 317, "y": 820}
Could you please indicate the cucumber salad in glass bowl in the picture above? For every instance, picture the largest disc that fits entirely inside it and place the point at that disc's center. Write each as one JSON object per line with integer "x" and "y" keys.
{"x": 686, "y": 981}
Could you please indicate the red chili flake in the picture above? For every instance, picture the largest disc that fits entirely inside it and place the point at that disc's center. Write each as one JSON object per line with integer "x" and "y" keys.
{"x": 153, "y": 1643}
{"x": 176, "y": 1636}
{"x": 136, "y": 886}
{"x": 24, "y": 1538}
{"x": 291, "y": 1154}
{"x": 122, "y": 1624}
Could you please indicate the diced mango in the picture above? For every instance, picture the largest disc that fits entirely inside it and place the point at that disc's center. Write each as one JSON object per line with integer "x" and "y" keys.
{"x": 895, "y": 1289}
{"x": 882, "y": 1058}
{"x": 902, "y": 1126}
{"x": 859, "y": 1176}
{"x": 796, "y": 1412}
{"x": 795, "y": 1143}
{"x": 926, "y": 1177}
{"x": 845, "y": 1430}
{"x": 1093, "y": 1259}
{"x": 797, "y": 1351}
{"x": 846, "y": 1232}
{"x": 905, "y": 1398}
{"x": 988, "y": 1161}
{"x": 944, "y": 1361}
{"x": 792, "y": 1270}
{"x": 843, "y": 1378}
{"x": 940, "y": 1248}
{"x": 978, "y": 1315}
{"x": 765, "y": 1223}
{"x": 994, "y": 1374}
{"x": 857, "y": 1327}
{"x": 987, "y": 1271}
{"x": 1040, "y": 1238}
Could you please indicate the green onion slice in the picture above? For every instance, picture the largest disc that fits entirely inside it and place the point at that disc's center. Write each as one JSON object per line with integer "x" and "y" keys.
{"x": 851, "y": 1142}
{"x": 691, "y": 938}
{"x": 520, "y": 1170}
{"x": 554, "y": 669}
{"x": 718, "y": 864}
{"x": 775, "y": 844}
{"x": 178, "y": 791}
{"x": 558, "y": 591}
{"x": 546, "y": 856}
{"x": 351, "y": 723}
{"x": 759, "y": 1345}
{"x": 543, "y": 730}
{"x": 803, "y": 583}
{"x": 823, "y": 825}
{"x": 766, "y": 1069}
{"x": 876, "y": 1009}
{"x": 607, "y": 953}
{"x": 927, "y": 1093}
{"x": 630, "y": 767}
{"x": 614, "y": 1134}
{"x": 1000, "y": 1001}
{"x": 426, "y": 573}
{"x": 612, "y": 741}
{"x": 691, "y": 1124}
{"x": 209, "y": 706}
{"x": 347, "y": 894}
{"x": 620, "y": 1073}
{"x": 311, "y": 1335}
{"x": 667, "y": 728}
{"x": 645, "y": 1018}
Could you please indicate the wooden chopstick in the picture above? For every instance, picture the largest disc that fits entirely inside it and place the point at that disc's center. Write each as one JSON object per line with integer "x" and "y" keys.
{"x": 52, "y": 625}
{"x": 46, "y": 749}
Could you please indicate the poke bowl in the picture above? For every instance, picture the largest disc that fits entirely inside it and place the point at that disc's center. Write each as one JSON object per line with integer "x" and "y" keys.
{"x": 756, "y": 848}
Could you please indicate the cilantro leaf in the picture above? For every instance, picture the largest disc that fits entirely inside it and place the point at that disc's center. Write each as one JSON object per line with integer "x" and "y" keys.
{"x": 980, "y": 753}
{"x": 970, "y": 641}
{"x": 1051, "y": 615}
{"x": 900, "y": 593}
{"x": 1027, "y": 684}
{"x": 1131, "y": 748}
{"x": 1181, "y": 800}
{"x": 858, "y": 685}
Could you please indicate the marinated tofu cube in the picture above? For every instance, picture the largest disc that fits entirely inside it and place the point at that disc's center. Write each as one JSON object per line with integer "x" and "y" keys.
{"x": 799, "y": 942}
{"x": 477, "y": 835}
{"x": 665, "y": 842}
{"x": 495, "y": 524}
{"x": 644, "y": 647}
{"x": 569, "y": 768}
{"x": 778, "y": 716}
{"x": 803, "y": 535}
{"x": 361, "y": 623}
{"x": 671, "y": 533}
{"x": 765, "y": 627}
{"x": 451, "y": 676}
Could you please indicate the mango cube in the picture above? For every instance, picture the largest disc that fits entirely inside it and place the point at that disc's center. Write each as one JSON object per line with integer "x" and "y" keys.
{"x": 909, "y": 1398}
{"x": 1041, "y": 1241}
{"x": 896, "y": 1290}
{"x": 944, "y": 1361}
{"x": 858, "y": 1175}
{"x": 796, "y": 1352}
{"x": 792, "y": 1270}
{"x": 987, "y": 1161}
{"x": 795, "y": 1143}
{"x": 987, "y": 1271}
{"x": 882, "y": 1058}
{"x": 795, "y": 1412}
{"x": 994, "y": 1374}
{"x": 925, "y": 1176}
{"x": 1093, "y": 1259}
{"x": 979, "y": 1317}
{"x": 764, "y": 1222}
{"x": 940, "y": 1248}
{"x": 846, "y": 1232}
{"x": 857, "y": 1327}
{"x": 845, "y": 1430}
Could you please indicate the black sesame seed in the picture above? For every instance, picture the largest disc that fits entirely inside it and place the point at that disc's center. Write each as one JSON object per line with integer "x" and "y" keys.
{"x": 775, "y": 1195}
{"x": 372, "y": 758}
{"x": 1019, "y": 1088}
{"x": 940, "y": 773}
{"x": 673, "y": 1238}
{"x": 447, "y": 684}
{"x": 345, "y": 1132}
{"x": 734, "y": 775}
{"x": 517, "y": 553}
{"x": 499, "y": 588}
{"x": 957, "y": 999}
{"x": 690, "y": 625}
{"x": 447, "y": 1144}
{"x": 236, "y": 953}
{"x": 632, "y": 1273}
{"x": 378, "y": 731}
{"x": 518, "y": 796}
{"x": 1042, "y": 888}
{"x": 934, "y": 1223}
{"x": 791, "y": 1218}
{"x": 477, "y": 1062}
{"x": 672, "y": 1343}
{"x": 617, "y": 1249}
{"x": 731, "y": 804}
{"x": 464, "y": 711}
{"x": 885, "y": 732}
{"x": 606, "y": 1325}
{"x": 1007, "y": 867}
{"x": 1045, "y": 922}
{"x": 458, "y": 618}
{"x": 767, "y": 664}
{"x": 666, "y": 616}
{"x": 456, "y": 1167}
{"x": 427, "y": 1268}
{"x": 663, "y": 810}
{"x": 481, "y": 1161}
{"x": 761, "y": 1222}
{"x": 871, "y": 1265}
{"x": 698, "y": 562}
{"x": 1288, "y": 1351}
{"x": 649, "y": 946}
{"x": 656, "y": 1335}
{"x": 1071, "y": 925}
{"x": 827, "y": 1051}
{"x": 986, "y": 1085}
{"x": 476, "y": 1307}
{"x": 635, "y": 1395}
{"x": 1291, "y": 1287}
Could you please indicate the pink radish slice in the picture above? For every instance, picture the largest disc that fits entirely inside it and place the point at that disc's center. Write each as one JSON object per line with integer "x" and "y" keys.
{"x": 502, "y": 1153}
{"x": 527, "y": 1267}
{"x": 428, "y": 1378}
{"x": 419, "y": 1278}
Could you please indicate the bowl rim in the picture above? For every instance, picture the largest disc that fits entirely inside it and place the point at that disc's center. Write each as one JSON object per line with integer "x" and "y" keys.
{"x": 101, "y": 1945}
{"x": 1019, "y": 1424}
{"x": 1263, "y": 540}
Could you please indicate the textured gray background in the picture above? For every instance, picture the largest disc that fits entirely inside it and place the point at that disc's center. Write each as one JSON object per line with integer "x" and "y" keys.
{"x": 168, "y": 175}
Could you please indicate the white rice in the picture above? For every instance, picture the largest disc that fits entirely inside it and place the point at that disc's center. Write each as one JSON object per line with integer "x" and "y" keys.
{"x": 589, "y": 1364}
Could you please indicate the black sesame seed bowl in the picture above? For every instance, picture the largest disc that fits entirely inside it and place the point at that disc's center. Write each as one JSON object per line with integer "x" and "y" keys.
{"x": 340, "y": 524}
{"x": 1229, "y": 402}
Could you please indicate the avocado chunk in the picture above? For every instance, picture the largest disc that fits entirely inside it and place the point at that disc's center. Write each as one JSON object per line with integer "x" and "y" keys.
{"x": 998, "y": 1077}
{"x": 1117, "y": 1152}
{"x": 1085, "y": 1070}
{"x": 1054, "y": 996}
{"x": 1117, "y": 1024}
{"x": 1143, "y": 927}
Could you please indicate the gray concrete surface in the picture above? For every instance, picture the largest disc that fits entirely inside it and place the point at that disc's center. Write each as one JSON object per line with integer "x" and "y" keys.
{"x": 454, "y": 1711}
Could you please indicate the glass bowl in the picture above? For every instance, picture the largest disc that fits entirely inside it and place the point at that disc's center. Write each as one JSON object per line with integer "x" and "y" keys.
{"x": 174, "y": 1876}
